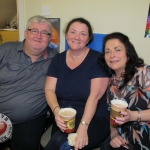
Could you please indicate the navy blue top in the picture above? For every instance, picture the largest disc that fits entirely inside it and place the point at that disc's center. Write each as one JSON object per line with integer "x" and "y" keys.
{"x": 73, "y": 85}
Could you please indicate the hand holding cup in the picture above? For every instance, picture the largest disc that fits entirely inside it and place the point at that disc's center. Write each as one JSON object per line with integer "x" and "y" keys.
{"x": 117, "y": 106}
{"x": 68, "y": 116}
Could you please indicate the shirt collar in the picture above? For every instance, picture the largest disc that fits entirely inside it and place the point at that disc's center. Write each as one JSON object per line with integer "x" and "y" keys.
{"x": 21, "y": 48}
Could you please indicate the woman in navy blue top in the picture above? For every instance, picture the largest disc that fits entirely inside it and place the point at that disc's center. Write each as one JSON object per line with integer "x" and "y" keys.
{"x": 75, "y": 80}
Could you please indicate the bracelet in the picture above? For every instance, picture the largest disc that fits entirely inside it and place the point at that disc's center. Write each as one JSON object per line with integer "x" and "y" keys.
{"x": 84, "y": 123}
{"x": 139, "y": 116}
{"x": 54, "y": 108}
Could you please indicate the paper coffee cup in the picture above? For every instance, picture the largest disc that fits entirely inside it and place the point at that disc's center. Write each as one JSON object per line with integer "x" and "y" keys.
{"x": 68, "y": 115}
{"x": 117, "y": 105}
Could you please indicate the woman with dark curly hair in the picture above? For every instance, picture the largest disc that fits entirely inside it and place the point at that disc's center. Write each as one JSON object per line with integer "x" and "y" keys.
{"x": 130, "y": 80}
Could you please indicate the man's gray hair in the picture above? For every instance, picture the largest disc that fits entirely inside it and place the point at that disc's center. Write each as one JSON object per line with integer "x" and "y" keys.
{"x": 38, "y": 19}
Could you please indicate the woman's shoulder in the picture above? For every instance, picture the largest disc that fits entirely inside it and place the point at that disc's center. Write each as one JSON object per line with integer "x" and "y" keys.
{"x": 144, "y": 69}
{"x": 60, "y": 55}
{"x": 143, "y": 74}
{"x": 59, "y": 58}
{"x": 95, "y": 52}
{"x": 147, "y": 67}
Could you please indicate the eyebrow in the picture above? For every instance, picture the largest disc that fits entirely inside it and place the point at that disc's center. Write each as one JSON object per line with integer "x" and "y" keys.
{"x": 118, "y": 46}
{"x": 38, "y": 29}
{"x": 76, "y": 30}
{"x": 114, "y": 48}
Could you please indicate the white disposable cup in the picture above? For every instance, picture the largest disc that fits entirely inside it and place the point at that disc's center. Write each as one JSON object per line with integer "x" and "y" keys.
{"x": 68, "y": 118}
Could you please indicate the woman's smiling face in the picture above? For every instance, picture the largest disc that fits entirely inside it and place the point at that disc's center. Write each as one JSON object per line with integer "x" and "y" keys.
{"x": 77, "y": 36}
{"x": 115, "y": 55}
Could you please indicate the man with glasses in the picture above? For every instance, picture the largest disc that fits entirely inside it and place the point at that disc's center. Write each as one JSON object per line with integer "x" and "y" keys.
{"x": 23, "y": 69}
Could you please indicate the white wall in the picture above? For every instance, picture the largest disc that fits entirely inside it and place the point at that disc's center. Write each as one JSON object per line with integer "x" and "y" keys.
{"x": 127, "y": 16}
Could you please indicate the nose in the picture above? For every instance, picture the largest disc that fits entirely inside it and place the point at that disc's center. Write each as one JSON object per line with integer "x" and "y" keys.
{"x": 112, "y": 54}
{"x": 39, "y": 35}
{"x": 77, "y": 36}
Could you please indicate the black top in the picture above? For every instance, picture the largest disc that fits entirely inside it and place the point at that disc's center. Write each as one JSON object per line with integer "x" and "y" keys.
{"x": 73, "y": 85}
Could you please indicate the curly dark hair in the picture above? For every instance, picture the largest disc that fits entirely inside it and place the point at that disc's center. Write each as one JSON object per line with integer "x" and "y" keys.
{"x": 132, "y": 62}
{"x": 84, "y": 21}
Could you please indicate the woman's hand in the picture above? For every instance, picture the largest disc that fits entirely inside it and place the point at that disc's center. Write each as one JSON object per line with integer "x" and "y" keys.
{"x": 118, "y": 141}
{"x": 82, "y": 137}
{"x": 60, "y": 123}
{"x": 126, "y": 117}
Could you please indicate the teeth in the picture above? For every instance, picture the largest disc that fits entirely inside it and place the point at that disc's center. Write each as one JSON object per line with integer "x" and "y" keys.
{"x": 75, "y": 41}
{"x": 115, "y": 61}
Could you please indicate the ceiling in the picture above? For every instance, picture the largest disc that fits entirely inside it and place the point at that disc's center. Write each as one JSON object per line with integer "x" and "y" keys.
{"x": 8, "y": 10}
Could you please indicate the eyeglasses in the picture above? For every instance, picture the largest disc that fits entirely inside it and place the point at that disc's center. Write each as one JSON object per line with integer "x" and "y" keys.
{"x": 42, "y": 33}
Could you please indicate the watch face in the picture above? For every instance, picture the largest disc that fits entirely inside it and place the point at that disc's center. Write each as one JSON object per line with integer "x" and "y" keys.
{"x": 84, "y": 123}
{"x": 5, "y": 128}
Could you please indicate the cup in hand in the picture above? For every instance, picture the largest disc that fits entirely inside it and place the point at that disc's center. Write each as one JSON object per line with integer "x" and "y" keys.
{"x": 68, "y": 115}
{"x": 117, "y": 105}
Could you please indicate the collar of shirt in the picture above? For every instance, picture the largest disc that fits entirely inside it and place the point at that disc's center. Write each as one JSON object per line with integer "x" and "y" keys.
{"x": 21, "y": 48}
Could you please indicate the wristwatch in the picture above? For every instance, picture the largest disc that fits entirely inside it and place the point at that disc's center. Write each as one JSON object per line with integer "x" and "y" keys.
{"x": 84, "y": 123}
{"x": 139, "y": 116}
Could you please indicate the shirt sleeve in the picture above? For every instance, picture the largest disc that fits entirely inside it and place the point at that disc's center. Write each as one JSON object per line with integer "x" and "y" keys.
{"x": 145, "y": 81}
{"x": 97, "y": 71}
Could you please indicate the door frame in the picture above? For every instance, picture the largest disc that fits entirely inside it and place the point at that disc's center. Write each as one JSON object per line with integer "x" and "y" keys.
{"x": 20, "y": 16}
